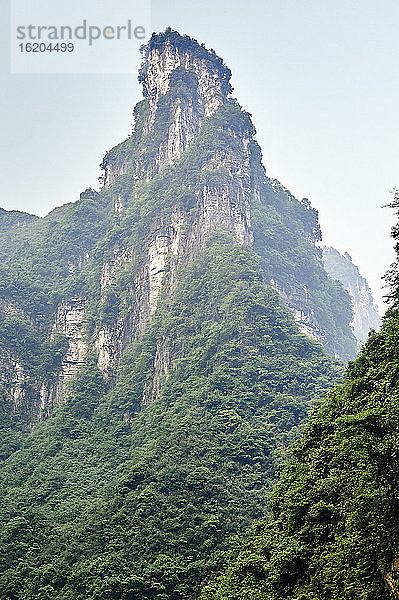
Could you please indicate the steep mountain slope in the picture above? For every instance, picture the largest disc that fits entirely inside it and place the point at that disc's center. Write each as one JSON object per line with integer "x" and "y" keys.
{"x": 154, "y": 366}
{"x": 365, "y": 312}
{"x": 333, "y": 532}
{"x": 92, "y": 271}
{"x": 102, "y": 501}
{"x": 14, "y": 225}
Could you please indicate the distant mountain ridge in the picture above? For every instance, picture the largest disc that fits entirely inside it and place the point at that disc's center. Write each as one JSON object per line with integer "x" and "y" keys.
{"x": 15, "y": 218}
{"x": 365, "y": 312}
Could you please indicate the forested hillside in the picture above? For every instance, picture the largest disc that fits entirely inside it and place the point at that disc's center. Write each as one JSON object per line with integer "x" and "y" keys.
{"x": 163, "y": 340}
{"x": 108, "y": 501}
{"x": 333, "y": 529}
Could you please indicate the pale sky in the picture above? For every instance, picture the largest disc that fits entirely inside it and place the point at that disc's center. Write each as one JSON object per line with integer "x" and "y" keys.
{"x": 320, "y": 78}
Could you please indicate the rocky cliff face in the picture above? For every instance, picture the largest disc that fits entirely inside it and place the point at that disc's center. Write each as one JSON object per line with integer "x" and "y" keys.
{"x": 190, "y": 170}
{"x": 365, "y": 312}
{"x": 164, "y": 64}
{"x": 197, "y": 83}
{"x": 153, "y": 322}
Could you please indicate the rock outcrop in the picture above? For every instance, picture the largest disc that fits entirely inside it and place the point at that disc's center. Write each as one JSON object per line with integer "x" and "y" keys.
{"x": 191, "y": 169}
{"x": 365, "y": 312}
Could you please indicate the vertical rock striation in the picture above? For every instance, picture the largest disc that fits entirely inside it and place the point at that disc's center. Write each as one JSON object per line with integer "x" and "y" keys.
{"x": 191, "y": 170}
{"x": 365, "y": 312}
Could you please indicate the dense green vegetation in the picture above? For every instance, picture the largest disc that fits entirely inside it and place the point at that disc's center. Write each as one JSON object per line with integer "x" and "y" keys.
{"x": 62, "y": 255}
{"x": 134, "y": 485}
{"x": 333, "y": 532}
{"x": 14, "y": 218}
{"x": 285, "y": 231}
{"x": 163, "y": 488}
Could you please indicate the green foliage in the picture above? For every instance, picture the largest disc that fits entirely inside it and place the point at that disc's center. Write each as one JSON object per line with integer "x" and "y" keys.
{"x": 124, "y": 152}
{"x": 133, "y": 487}
{"x": 285, "y": 231}
{"x": 12, "y": 218}
{"x": 341, "y": 268}
{"x": 38, "y": 356}
{"x": 164, "y": 488}
{"x": 183, "y": 43}
{"x": 334, "y": 531}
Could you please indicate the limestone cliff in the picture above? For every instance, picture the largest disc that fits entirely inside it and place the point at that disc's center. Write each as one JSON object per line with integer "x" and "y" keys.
{"x": 365, "y": 312}
{"x": 191, "y": 170}
{"x": 183, "y": 84}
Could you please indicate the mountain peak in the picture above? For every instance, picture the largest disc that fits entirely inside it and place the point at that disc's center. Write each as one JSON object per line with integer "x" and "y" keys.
{"x": 168, "y": 51}
{"x": 183, "y": 83}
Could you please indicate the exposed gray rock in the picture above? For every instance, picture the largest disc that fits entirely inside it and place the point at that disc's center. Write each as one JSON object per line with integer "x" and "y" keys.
{"x": 232, "y": 180}
{"x": 365, "y": 312}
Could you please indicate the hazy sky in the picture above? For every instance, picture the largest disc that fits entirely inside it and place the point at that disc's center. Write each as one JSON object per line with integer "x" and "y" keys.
{"x": 320, "y": 78}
